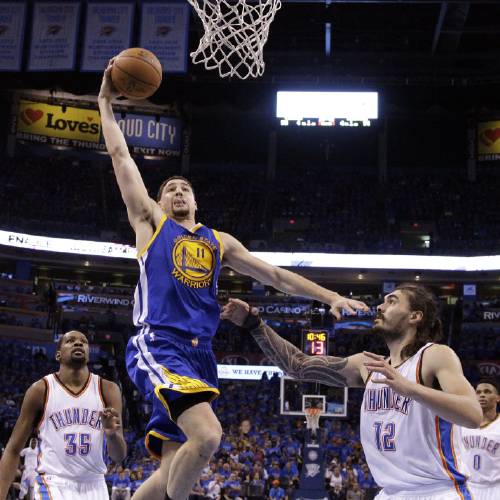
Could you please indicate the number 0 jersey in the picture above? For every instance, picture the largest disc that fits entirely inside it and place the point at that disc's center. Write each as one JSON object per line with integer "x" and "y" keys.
{"x": 407, "y": 446}
{"x": 71, "y": 439}
{"x": 482, "y": 453}
{"x": 177, "y": 289}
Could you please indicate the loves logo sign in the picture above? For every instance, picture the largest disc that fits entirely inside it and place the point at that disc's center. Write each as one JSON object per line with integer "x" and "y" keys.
{"x": 31, "y": 115}
{"x": 488, "y": 138}
{"x": 51, "y": 121}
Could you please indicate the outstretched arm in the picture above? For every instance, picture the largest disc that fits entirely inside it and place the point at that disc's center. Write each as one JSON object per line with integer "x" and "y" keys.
{"x": 31, "y": 408}
{"x": 240, "y": 259}
{"x": 329, "y": 370}
{"x": 140, "y": 206}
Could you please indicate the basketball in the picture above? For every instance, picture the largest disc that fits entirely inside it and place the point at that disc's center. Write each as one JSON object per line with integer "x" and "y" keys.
{"x": 136, "y": 73}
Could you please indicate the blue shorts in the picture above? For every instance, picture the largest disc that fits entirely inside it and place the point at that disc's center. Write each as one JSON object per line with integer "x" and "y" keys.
{"x": 165, "y": 367}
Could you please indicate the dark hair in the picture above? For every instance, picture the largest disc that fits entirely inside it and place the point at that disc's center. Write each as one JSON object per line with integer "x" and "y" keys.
{"x": 173, "y": 178}
{"x": 61, "y": 338}
{"x": 491, "y": 381}
{"x": 429, "y": 329}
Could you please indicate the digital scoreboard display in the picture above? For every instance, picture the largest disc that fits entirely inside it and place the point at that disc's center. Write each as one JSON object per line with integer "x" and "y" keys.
{"x": 315, "y": 342}
{"x": 326, "y": 109}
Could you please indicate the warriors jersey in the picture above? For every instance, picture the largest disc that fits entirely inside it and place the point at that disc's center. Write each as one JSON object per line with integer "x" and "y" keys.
{"x": 177, "y": 289}
{"x": 71, "y": 439}
{"x": 481, "y": 448}
{"x": 407, "y": 446}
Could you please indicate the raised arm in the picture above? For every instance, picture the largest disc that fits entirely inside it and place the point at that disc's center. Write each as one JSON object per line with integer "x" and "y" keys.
{"x": 240, "y": 259}
{"x": 140, "y": 207}
{"x": 329, "y": 370}
{"x": 31, "y": 409}
{"x": 111, "y": 418}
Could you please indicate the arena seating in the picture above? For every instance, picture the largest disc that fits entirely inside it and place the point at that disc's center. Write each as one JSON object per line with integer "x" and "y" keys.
{"x": 304, "y": 209}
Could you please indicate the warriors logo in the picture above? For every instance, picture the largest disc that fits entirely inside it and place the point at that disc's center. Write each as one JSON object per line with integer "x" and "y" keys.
{"x": 194, "y": 261}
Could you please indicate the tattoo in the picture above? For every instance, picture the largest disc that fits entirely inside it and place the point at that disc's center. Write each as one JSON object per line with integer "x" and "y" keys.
{"x": 293, "y": 362}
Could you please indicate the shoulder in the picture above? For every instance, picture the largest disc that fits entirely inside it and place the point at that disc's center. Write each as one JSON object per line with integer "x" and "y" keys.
{"x": 438, "y": 357}
{"x": 438, "y": 353}
{"x": 110, "y": 391}
{"x": 38, "y": 389}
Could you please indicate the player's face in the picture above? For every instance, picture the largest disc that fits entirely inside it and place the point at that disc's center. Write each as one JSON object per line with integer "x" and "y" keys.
{"x": 393, "y": 316}
{"x": 487, "y": 396}
{"x": 74, "y": 349}
{"x": 177, "y": 199}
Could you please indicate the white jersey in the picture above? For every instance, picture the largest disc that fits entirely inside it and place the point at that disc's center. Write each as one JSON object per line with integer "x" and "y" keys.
{"x": 70, "y": 431}
{"x": 481, "y": 450}
{"x": 30, "y": 459}
{"x": 407, "y": 446}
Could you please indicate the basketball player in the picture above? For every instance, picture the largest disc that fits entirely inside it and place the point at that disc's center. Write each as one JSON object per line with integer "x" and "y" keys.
{"x": 411, "y": 401}
{"x": 29, "y": 454}
{"x": 75, "y": 414}
{"x": 177, "y": 314}
{"x": 482, "y": 446}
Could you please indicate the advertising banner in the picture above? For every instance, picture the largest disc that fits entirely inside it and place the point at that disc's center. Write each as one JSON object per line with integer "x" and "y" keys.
{"x": 108, "y": 31}
{"x": 12, "y": 24}
{"x": 53, "y": 36}
{"x": 150, "y": 135}
{"x": 79, "y": 128}
{"x": 68, "y": 126}
{"x": 488, "y": 141}
{"x": 90, "y": 299}
{"x": 164, "y": 31}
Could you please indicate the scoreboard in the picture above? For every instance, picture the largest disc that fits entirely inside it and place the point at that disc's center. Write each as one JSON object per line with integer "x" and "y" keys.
{"x": 315, "y": 342}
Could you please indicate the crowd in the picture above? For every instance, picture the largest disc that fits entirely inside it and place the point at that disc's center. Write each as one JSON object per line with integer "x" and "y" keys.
{"x": 302, "y": 209}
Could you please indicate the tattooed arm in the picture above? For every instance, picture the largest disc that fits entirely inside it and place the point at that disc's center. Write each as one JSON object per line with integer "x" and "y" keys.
{"x": 328, "y": 370}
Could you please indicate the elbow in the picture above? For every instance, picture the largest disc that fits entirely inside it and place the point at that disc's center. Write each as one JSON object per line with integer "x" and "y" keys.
{"x": 475, "y": 416}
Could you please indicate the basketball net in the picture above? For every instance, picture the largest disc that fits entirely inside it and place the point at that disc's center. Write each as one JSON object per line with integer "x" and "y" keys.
{"x": 312, "y": 417}
{"x": 235, "y": 34}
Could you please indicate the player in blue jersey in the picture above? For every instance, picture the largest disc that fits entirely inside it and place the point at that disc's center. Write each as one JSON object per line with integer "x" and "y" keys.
{"x": 177, "y": 314}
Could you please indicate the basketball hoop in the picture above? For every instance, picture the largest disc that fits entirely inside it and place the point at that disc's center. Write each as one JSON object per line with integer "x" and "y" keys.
{"x": 235, "y": 34}
{"x": 312, "y": 417}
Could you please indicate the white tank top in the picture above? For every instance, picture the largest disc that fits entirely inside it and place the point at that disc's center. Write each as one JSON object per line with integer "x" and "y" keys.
{"x": 481, "y": 450}
{"x": 407, "y": 446}
{"x": 30, "y": 459}
{"x": 70, "y": 431}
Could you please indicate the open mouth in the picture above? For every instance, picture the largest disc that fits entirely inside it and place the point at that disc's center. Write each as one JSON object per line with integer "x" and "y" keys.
{"x": 78, "y": 351}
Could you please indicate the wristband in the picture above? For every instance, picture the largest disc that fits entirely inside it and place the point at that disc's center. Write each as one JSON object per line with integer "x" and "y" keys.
{"x": 251, "y": 322}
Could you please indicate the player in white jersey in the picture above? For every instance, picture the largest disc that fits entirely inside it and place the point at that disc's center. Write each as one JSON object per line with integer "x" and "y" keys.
{"x": 411, "y": 400}
{"x": 29, "y": 454}
{"x": 482, "y": 446}
{"x": 76, "y": 415}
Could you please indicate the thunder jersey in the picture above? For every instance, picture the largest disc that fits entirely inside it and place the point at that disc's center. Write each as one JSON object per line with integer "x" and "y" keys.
{"x": 407, "y": 446}
{"x": 481, "y": 450}
{"x": 177, "y": 289}
{"x": 71, "y": 439}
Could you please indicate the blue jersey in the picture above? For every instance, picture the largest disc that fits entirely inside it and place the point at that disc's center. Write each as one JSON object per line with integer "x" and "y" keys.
{"x": 177, "y": 289}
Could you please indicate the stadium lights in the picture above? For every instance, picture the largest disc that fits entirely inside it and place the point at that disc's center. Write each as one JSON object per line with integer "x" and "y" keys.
{"x": 417, "y": 263}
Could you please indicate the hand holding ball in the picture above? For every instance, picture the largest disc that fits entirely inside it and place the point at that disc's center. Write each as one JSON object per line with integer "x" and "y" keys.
{"x": 136, "y": 73}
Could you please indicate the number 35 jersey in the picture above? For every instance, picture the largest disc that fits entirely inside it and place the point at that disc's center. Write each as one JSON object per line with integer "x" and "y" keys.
{"x": 407, "y": 446}
{"x": 70, "y": 431}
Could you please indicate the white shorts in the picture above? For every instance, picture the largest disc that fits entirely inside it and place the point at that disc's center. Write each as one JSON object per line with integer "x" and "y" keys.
{"x": 446, "y": 494}
{"x": 490, "y": 492}
{"x": 28, "y": 478}
{"x": 48, "y": 487}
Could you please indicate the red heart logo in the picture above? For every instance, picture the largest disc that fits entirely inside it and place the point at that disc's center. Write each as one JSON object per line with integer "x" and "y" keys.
{"x": 89, "y": 118}
{"x": 30, "y": 116}
{"x": 489, "y": 136}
